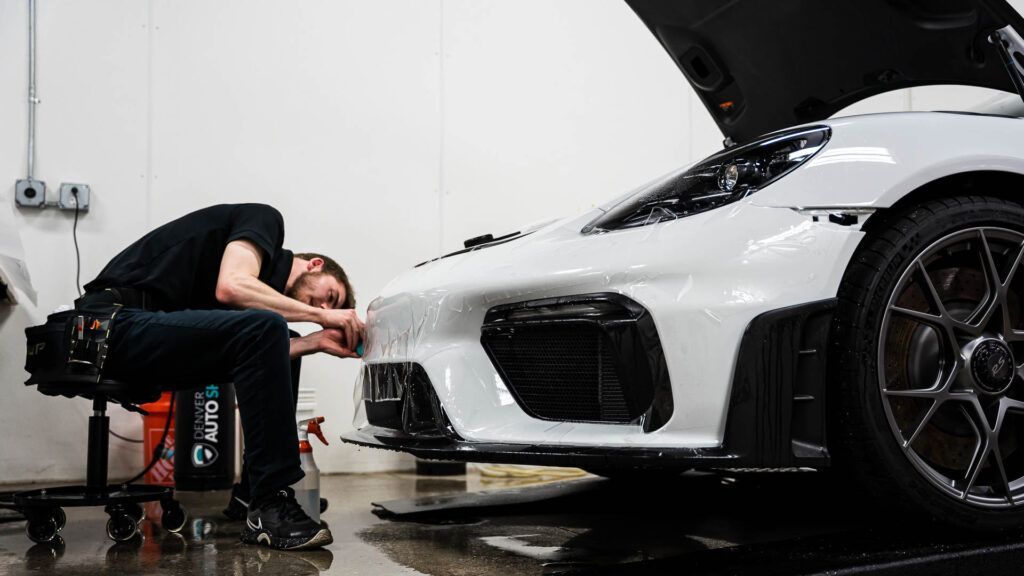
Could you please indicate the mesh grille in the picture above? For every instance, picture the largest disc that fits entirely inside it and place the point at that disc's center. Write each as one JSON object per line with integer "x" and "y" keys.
{"x": 562, "y": 372}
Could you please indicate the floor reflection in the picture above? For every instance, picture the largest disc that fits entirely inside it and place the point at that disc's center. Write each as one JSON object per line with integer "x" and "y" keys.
{"x": 768, "y": 524}
{"x": 700, "y": 523}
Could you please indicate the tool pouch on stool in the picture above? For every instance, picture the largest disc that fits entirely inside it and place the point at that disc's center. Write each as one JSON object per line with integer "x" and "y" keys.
{"x": 70, "y": 347}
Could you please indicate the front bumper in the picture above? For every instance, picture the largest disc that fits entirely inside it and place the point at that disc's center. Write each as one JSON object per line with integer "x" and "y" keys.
{"x": 776, "y": 418}
{"x": 703, "y": 279}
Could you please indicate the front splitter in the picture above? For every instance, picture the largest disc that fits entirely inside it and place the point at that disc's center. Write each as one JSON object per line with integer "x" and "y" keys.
{"x": 592, "y": 457}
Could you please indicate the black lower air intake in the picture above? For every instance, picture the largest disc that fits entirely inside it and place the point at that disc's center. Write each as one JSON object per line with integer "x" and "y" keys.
{"x": 587, "y": 358}
{"x": 399, "y": 396}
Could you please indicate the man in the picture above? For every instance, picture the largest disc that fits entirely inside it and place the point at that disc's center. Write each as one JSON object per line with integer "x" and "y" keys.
{"x": 207, "y": 297}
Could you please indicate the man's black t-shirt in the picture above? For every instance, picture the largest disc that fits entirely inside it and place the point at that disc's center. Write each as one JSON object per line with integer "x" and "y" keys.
{"x": 177, "y": 264}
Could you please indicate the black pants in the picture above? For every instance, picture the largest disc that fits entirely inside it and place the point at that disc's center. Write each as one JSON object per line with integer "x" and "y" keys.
{"x": 244, "y": 490}
{"x": 180, "y": 350}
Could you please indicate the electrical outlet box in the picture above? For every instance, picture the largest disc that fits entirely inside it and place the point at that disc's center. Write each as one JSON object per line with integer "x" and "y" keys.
{"x": 74, "y": 195}
{"x": 30, "y": 193}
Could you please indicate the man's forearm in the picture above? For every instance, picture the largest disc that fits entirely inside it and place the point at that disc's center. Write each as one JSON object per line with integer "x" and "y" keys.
{"x": 250, "y": 293}
{"x": 239, "y": 286}
{"x": 328, "y": 341}
{"x": 301, "y": 346}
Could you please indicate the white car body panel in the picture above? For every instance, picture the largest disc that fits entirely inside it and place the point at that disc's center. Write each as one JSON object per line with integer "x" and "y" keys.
{"x": 874, "y": 160}
{"x": 703, "y": 278}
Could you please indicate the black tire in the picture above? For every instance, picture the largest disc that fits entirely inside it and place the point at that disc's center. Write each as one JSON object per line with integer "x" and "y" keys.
{"x": 867, "y": 446}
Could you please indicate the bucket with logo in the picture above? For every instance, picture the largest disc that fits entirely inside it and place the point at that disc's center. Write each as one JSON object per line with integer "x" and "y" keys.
{"x": 204, "y": 452}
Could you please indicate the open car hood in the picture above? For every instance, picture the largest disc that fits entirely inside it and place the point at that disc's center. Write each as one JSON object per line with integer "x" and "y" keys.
{"x": 762, "y": 65}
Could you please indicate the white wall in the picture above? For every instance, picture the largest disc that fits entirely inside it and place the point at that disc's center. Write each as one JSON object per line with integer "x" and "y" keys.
{"x": 386, "y": 131}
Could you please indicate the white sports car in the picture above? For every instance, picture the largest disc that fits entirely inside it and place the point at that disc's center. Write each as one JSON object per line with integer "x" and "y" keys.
{"x": 822, "y": 292}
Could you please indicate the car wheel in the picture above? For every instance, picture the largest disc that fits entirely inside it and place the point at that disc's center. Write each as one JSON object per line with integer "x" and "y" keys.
{"x": 928, "y": 353}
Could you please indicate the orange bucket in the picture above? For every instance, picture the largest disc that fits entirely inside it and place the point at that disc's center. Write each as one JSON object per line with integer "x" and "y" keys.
{"x": 162, "y": 473}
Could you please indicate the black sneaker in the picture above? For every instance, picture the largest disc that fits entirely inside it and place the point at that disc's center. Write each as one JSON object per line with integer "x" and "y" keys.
{"x": 238, "y": 506}
{"x": 279, "y": 522}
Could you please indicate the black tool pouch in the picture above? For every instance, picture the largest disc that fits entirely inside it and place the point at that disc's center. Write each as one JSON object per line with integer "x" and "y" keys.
{"x": 70, "y": 347}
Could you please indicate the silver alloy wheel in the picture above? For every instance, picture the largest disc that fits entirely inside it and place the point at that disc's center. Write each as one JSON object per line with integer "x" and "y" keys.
{"x": 952, "y": 388}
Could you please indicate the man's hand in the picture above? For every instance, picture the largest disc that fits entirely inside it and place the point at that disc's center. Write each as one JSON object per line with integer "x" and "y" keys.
{"x": 330, "y": 341}
{"x": 348, "y": 322}
{"x": 239, "y": 286}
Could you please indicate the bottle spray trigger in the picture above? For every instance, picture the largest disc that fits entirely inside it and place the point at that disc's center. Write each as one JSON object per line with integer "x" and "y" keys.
{"x": 312, "y": 426}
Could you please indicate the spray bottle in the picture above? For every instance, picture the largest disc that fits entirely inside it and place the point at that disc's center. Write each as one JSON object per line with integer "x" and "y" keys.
{"x": 307, "y": 490}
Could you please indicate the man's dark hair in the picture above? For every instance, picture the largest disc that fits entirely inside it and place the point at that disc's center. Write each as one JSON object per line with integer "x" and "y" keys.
{"x": 332, "y": 268}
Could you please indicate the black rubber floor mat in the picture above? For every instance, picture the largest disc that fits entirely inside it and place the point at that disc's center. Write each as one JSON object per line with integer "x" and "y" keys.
{"x": 491, "y": 501}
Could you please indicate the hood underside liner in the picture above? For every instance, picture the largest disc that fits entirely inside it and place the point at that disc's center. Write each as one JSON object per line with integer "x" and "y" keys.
{"x": 763, "y": 66}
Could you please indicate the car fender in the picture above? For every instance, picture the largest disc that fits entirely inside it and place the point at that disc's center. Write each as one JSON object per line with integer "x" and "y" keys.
{"x": 873, "y": 161}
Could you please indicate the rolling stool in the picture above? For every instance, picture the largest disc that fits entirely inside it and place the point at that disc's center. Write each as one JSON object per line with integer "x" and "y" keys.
{"x": 43, "y": 508}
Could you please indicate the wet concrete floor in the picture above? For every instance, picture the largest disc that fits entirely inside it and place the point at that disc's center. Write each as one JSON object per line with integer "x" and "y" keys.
{"x": 776, "y": 523}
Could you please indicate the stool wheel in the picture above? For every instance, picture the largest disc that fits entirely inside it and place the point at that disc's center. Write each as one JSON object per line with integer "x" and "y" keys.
{"x": 42, "y": 528}
{"x": 59, "y": 517}
{"x": 174, "y": 517}
{"x": 121, "y": 527}
{"x": 135, "y": 510}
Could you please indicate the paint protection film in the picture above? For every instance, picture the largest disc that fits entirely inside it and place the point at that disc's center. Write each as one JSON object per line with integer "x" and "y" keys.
{"x": 624, "y": 339}
{"x": 589, "y": 358}
{"x": 14, "y": 276}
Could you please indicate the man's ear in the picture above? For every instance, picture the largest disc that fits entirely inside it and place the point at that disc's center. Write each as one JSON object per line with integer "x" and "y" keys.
{"x": 315, "y": 265}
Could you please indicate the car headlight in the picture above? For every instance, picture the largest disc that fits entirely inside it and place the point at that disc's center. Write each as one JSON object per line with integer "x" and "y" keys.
{"x": 724, "y": 178}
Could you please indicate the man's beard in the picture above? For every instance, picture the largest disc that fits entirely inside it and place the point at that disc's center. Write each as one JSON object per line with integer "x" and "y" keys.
{"x": 302, "y": 286}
